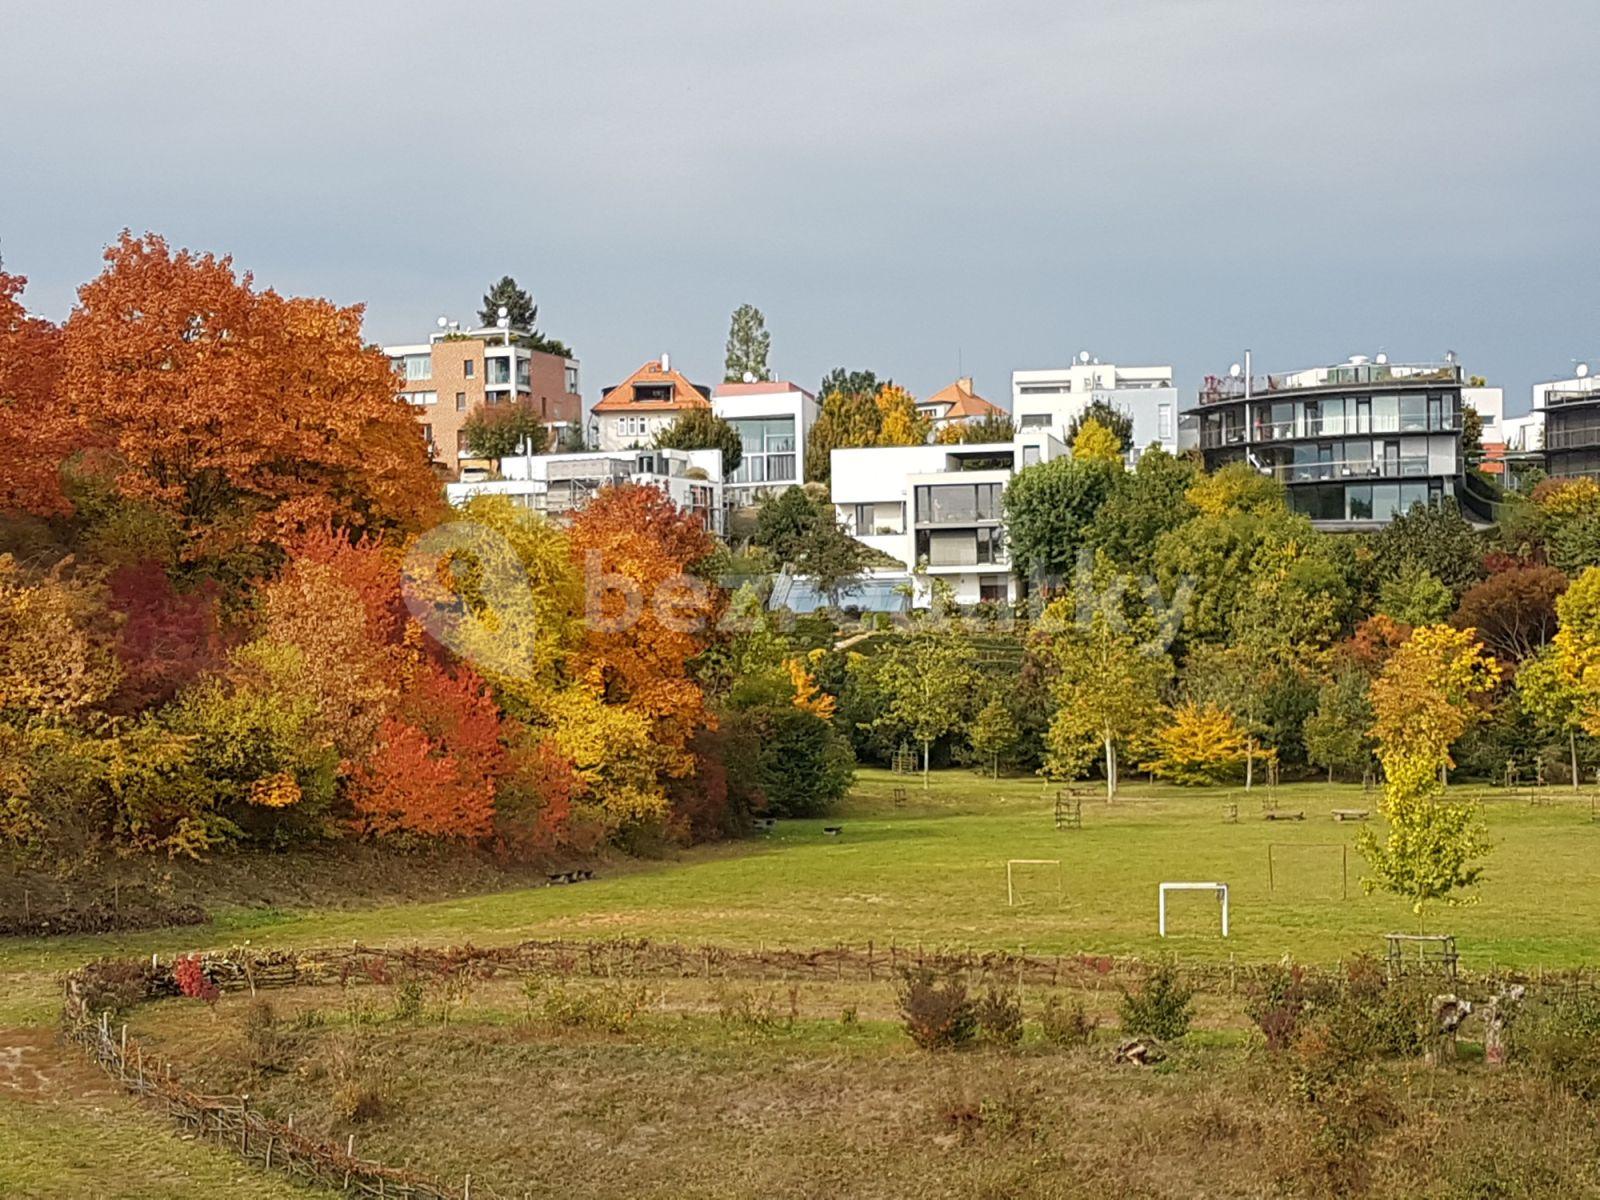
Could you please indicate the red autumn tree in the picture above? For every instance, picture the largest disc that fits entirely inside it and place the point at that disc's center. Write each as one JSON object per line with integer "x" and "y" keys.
{"x": 1374, "y": 642}
{"x": 1514, "y": 610}
{"x": 35, "y": 433}
{"x": 437, "y": 761}
{"x": 646, "y": 615}
{"x": 243, "y": 416}
{"x": 167, "y": 638}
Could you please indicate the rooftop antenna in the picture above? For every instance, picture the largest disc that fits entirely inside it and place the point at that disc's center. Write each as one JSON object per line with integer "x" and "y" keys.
{"x": 1450, "y": 357}
{"x": 1083, "y": 356}
{"x": 1235, "y": 371}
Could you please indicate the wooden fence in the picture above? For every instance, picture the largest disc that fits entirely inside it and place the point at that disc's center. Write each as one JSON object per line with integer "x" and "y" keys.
{"x": 279, "y": 1146}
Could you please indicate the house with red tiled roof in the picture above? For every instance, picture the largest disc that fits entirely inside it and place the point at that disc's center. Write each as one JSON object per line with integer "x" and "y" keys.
{"x": 632, "y": 412}
{"x": 957, "y": 403}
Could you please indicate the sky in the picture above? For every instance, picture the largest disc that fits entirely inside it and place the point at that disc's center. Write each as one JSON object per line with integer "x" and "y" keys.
{"x": 923, "y": 189}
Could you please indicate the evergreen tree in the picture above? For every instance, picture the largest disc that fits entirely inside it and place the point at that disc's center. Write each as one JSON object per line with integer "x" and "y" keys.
{"x": 701, "y": 429}
{"x": 521, "y": 313}
{"x": 748, "y": 344}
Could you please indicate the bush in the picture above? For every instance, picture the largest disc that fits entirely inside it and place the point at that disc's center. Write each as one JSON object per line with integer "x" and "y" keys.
{"x": 408, "y": 1000}
{"x": 357, "y": 1101}
{"x": 113, "y": 985}
{"x": 1560, "y": 1039}
{"x": 611, "y": 1009}
{"x": 263, "y": 1041}
{"x": 1161, "y": 1008}
{"x": 1066, "y": 1024}
{"x": 1280, "y": 1004}
{"x": 937, "y": 1013}
{"x": 744, "y": 1009}
{"x": 999, "y": 1017}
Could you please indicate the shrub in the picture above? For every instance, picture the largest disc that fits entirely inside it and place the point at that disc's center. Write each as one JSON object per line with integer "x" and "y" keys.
{"x": 999, "y": 1017}
{"x": 611, "y": 1010}
{"x": 745, "y": 1009}
{"x": 1280, "y": 1004}
{"x": 937, "y": 1013}
{"x": 1560, "y": 1039}
{"x": 408, "y": 1000}
{"x": 1066, "y": 1024}
{"x": 263, "y": 1040}
{"x": 1161, "y": 1008}
{"x": 112, "y": 985}
{"x": 357, "y": 1101}
{"x": 193, "y": 981}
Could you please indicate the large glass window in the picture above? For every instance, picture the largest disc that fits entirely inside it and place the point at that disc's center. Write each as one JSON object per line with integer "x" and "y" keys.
{"x": 958, "y": 503}
{"x": 417, "y": 366}
{"x": 769, "y": 450}
{"x": 1413, "y": 414}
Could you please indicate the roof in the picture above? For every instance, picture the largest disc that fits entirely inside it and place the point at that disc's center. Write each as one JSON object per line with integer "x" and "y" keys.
{"x": 759, "y": 388}
{"x": 684, "y": 394}
{"x": 960, "y": 401}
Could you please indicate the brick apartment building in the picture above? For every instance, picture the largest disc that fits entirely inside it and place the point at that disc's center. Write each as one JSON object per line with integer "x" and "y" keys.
{"x": 457, "y": 372}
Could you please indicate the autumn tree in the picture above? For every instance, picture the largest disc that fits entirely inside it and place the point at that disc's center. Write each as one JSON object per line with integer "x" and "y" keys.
{"x": 748, "y": 345}
{"x": 36, "y": 432}
{"x": 1414, "y": 597}
{"x": 994, "y": 733}
{"x": 900, "y": 424}
{"x": 1514, "y": 610}
{"x": 242, "y": 415}
{"x": 1422, "y": 703}
{"x": 848, "y": 418}
{"x": 991, "y": 427}
{"x": 1096, "y": 443}
{"x": 1201, "y": 745}
{"x": 505, "y": 430}
{"x": 57, "y": 650}
{"x": 1108, "y": 688}
{"x": 702, "y": 429}
{"x": 1553, "y": 697}
{"x": 646, "y": 614}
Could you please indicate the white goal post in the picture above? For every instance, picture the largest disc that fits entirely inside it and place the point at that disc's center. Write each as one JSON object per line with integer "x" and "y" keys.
{"x": 1221, "y": 889}
{"x": 1011, "y": 888}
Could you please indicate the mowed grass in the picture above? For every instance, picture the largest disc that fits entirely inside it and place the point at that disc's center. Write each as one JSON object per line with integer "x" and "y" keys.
{"x": 934, "y": 872}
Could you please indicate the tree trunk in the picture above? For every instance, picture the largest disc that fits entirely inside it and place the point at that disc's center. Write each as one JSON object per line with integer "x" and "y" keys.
{"x": 1330, "y": 772}
{"x": 994, "y": 766}
{"x": 1111, "y": 771}
{"x": 1572, "y": 748}
{"x": 1249, "y": 763}
{"x": 925, "y": 766}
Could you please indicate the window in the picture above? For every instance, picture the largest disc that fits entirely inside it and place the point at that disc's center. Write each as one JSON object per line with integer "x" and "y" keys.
{"x": 417, "y": 366}
{"x": 1030, "y": 455}
{"x": 523, "y": 373}
{"x": 572, "y": 379}
{"x": 1164, "y": 422}
{"x": 427, "y": 435}
{"x": 864, "y": 519}
{"x": 461, "y": 402}
{"x": 469, "y": 368}
{"x": 992, "y": 589}
{"x": 496, "y": 371}
{"x": 1034, "y": 420}
{"x": 421, "y": 397}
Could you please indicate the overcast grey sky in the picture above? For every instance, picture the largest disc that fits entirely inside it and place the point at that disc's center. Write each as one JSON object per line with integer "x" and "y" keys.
{"x": 905, "y": 187}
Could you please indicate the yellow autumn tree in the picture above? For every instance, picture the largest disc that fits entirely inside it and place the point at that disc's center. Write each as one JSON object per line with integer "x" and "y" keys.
{"x": 1577, "y": 646}
{"x": 1424, "y": 700}
{"x": 1203, "y": 744}
{"x": 1096, "y": 443}
{"x": 902, "y": 424}
{"x": 807, "y": 695}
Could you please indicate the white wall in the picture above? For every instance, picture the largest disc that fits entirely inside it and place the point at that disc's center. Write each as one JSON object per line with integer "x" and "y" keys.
{"x": 780, "y": 402}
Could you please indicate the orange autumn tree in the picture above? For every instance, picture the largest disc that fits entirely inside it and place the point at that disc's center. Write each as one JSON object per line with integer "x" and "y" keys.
{"x": 35, "y": 432}
{"x": 242, "y": 416}
{"x": 646, "y": 614}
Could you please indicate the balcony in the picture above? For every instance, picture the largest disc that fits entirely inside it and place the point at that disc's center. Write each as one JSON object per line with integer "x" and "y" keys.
{"x": 1411, "y": 466}
{"x": 1219, "y": 389}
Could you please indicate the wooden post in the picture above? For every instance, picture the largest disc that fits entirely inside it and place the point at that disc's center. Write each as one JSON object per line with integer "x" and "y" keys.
{"x": 244, "y": 1124}
{"x": 466, "y": 1188}
{"x": 869, "y": 960}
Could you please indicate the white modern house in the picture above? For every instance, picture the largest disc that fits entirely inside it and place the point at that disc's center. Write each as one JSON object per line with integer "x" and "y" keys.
{"x": 1049, "y": 399}
{"x": 938, "y": 506}
{"x": 773, "y": 419}
{"x": 558, "y": 484}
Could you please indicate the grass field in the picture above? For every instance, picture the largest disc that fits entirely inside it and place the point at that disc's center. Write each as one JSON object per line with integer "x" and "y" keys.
{"x": 930, "y": 871}
{"x": 934, "y": 872}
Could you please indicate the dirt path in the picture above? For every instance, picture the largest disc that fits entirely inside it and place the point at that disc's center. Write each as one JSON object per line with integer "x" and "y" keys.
{"x": 36, "y": 1065}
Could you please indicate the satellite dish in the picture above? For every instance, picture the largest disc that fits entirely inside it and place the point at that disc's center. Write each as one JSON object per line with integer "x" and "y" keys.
{"x": 749, "y": 377}
{"x": 1083, "y": 356}
{"x": 1450, "y": 357}
{"x": 1235, "y": 371}
{"x": 1382, "y": 358}
{"x": 504, "y": 311}
{"x": 503, "y": 323}
{"x": 443, "y": 321}
{"x": 1583, "y": 370}
{"x": 1357, "y": 360}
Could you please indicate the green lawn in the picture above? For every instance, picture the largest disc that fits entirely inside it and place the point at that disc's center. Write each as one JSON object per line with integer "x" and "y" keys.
{"x": 934, "y": 871}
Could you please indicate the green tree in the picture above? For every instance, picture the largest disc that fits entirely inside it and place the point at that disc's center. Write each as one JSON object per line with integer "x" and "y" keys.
{"x": 991, "y": 427}
{"x": 1554, "y": 699}
{"x": 801, "y": 529}
{"x": 1414, "y": 597}
{"x": 702, "y": 429}
{"x": 1144, "y": 504}
{"x": 1050, "y": 507}
{"x": 1108, "y": 688}
{"x": 840, "y": 382}
{"x": 994, "y": 733}
{"x": 1435, "y": 538}
{"x": 1108, "y": 416}
{"x": 521, "y": 313}
{"x": 926, "y": 681}
{"x": 748, "y": 344}
{"x": 505, "y": 430}
{"x": 1336, "y": 734}
{"x": 1471, "y": 435}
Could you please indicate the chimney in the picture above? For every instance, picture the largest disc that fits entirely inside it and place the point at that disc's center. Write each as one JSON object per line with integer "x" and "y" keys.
{"x": 965, "y": 383}
{"x": 666, "y": 363}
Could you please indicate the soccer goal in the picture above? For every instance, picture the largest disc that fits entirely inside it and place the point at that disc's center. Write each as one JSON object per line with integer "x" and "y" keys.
{"x": 1041, "y": 867}
{"x": 1220, "y": 889}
